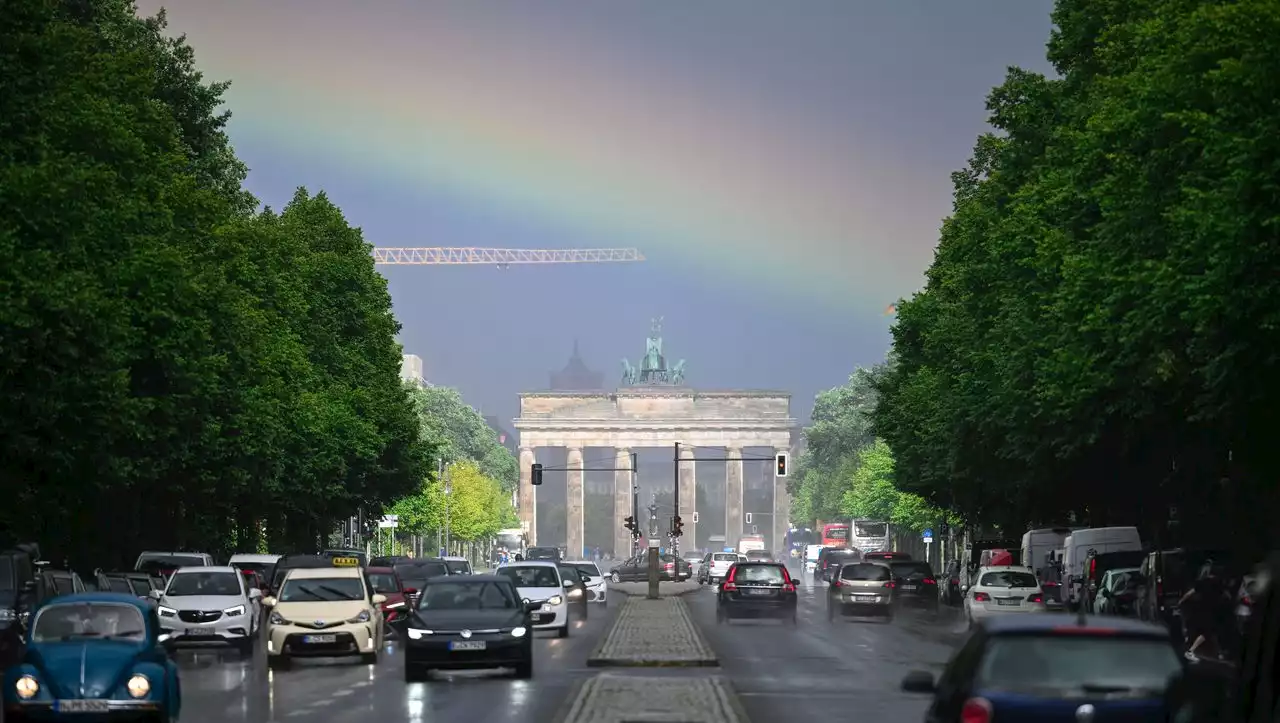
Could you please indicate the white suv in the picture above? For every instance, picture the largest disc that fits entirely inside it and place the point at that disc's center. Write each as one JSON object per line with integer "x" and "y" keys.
{"x": 720, "y": 564}
{"x": 202, "y": 605}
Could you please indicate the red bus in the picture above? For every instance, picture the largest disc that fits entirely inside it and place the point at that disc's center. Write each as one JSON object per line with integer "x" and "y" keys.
{"x": 835, "y": 534}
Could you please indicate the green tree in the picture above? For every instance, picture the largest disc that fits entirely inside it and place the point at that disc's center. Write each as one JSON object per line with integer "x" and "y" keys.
{"x": 462, "y": 434}
{"x": 840, "y": 428}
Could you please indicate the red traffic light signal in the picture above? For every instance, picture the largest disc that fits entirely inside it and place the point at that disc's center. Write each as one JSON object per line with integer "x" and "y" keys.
{"x": 783, "y": 459}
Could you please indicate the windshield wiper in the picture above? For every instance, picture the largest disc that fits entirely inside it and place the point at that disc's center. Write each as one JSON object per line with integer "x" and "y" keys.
{"x": 342, "y": 595}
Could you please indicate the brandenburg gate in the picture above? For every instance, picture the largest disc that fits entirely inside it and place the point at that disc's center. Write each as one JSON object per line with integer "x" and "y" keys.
{"x": 653, "y": 408}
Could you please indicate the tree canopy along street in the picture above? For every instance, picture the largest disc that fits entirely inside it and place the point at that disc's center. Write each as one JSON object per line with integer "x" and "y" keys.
{"x": 1098, "y": 333}
{"x": 181, "y": 370}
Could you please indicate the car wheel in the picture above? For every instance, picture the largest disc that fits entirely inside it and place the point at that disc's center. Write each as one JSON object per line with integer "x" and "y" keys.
{"x": 563, "y": 632}
{"x": 369, "y": 658}
{"x": 524, "y": 671}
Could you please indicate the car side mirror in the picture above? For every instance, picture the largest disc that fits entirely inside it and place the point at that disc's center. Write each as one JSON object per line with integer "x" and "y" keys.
{"x": 530, "y": 607}
{"x": 568, "y": 584}
{"x": 156, "y": 595}
{"x": 964, "y": 589}
{"x": 918, "y": 681}
{"x": 163, "y": 638}
{"x": 268, "y": 601}
{"x": 411, "y": 591}
{"x": 378, "y": 598}
{"x": 255, "y": 593}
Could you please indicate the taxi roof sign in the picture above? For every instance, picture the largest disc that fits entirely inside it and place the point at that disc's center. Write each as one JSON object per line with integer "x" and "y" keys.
{"x": 346, "y": 562}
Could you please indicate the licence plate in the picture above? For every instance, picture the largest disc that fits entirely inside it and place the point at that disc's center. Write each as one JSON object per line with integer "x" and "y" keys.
{"x": 467, "y": 645}
{"x": 910, "y": 587}
{"x": 535, "y": 617}
{"x": 1007, "y": 602}
{"x": 865, "y": 598}
{"x": 758, "y": 591}
{"x": 194, "y": 631}
{"x": 81, "y": 706}
{"x": 313, "y": 639}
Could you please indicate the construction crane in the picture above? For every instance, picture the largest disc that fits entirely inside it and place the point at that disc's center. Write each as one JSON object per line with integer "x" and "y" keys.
{"x": 502, "y": 258}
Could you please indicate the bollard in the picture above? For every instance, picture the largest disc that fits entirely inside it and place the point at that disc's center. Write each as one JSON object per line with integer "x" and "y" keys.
{"x": 653, "y": 569}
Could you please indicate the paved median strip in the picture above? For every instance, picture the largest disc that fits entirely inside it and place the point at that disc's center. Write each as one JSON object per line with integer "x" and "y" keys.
{"x": 609, "y": 698}
{"x": 653, "y": 633}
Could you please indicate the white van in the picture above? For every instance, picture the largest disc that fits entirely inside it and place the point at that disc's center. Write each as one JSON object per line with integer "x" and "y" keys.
{"x": 1037, "y": 544}
{"x": 1097, "y": 539}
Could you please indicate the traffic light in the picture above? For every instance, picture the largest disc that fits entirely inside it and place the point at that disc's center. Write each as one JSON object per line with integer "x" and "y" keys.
{"x": 630, "y": 523}
{"x": 537, "y": 474}
{"x": 783, "y": 460}
{"x": 677, "y": 526}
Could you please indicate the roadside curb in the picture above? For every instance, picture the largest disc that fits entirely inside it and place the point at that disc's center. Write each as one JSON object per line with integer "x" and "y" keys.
{"x": 636, "y": 638}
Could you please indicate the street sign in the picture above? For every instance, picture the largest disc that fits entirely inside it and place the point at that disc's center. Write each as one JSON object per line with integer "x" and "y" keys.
{"x": 655, "y": 542}
{"x": 928, "y": 532}
{"x": 389, "y": 521}
{"x": 928, "y": 541}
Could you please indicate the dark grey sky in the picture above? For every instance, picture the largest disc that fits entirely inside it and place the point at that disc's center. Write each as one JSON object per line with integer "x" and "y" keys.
{"x": 783, "y": 166}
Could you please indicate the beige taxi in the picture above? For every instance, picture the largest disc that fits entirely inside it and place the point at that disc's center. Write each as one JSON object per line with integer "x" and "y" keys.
{"x": 322, "y": 613}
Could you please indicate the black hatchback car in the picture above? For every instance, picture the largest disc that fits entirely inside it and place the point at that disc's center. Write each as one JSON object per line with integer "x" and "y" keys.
{"x": 757, "y": 590}
{"x": 830, "y": 560}
{"x": 915, "y": 584}
{"x": 465, "y": 622}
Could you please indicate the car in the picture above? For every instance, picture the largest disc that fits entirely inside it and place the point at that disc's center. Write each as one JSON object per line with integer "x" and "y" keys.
{"x": 138, "y": 584}
{"x": 759, "y": 556}
{"x": 887, "y": 556}
{"x": 547, "y": 553}
{"x": 597, "y": 586}
{"x": 294, "y": 562}
{"x": 1054, "y": 668}
{"x": 386, "y": 582}
{"x": 862, "y": 589}
{"x": 757, "y": 590}
{"x": 457, "y": 565}
{"x": 94, "y": 655}
{"x": 539, "y": 581}
{"x": 19, "y": 590}
{"x": 415, "y": 573}
{"x": 1003, "y": 590}
{"x": 203, "y": 605}
{"x": 324, "y": 612}
{"x": 830, "y": 559}
{"x": 469, "y": 621}
{"x": 162, "y": 564}
{"x": 575, "y": 588}
{"x": 914, "y": 584}
{"x": 716, "y": 567}
{"x": 344, "y": 552}
{"x": 264, "y": 565}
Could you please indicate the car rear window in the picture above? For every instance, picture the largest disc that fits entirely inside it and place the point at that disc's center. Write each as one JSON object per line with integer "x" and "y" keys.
{"x": 747, "y": 572}
{"x": 911, "y": 569}
{"x": 1071, "y": 666}
{"x": 864, "y": 571}
{"x": 1008, "y": 578}
{"x": 724, "y": 557}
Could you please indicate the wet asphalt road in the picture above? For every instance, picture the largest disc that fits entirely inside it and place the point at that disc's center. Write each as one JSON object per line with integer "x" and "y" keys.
{"x": 780, "y": 672}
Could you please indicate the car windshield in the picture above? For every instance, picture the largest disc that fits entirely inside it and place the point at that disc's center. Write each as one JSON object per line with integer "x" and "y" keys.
{"x": 468, "y": 596}
{"x": 384, "y": 582}
{"x": 204, "y": 583}
{"x": 416, "y": 574}
{"x": 170, "y": 561}
{"x": 588, "y": 568}
{"x": 1072, "y": 665}
{"x": 140, "y": 587}
{"x": 458, "y": 567}
{"x": 531, "y": 575}
{"x": 1008, "y": 578}
{"x": 864, "y": 571}
{"x": 570, "y": 573}
{"x": 314, "y": 589}
{"x": 69, "y": 621}
{"x": 911, "y": 569}
{"x": 724, "y": 557}
{"x": 749, "y": 573}
{"x": 119, "y": 584}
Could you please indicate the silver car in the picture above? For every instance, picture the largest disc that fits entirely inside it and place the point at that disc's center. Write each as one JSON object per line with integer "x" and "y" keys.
{"x": 861, "y": 588}
{"x": 209, "y": 605}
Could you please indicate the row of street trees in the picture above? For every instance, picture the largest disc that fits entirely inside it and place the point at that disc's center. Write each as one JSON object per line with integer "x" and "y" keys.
{"x": 846, "y": 472}
{"x": 1097, "y": 337}
{"x": 180, "y": 368}
{"x": 482, "y": 474}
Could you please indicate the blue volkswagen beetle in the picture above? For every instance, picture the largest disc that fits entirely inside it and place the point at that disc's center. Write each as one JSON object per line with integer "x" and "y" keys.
{"x": 93, "y": 656}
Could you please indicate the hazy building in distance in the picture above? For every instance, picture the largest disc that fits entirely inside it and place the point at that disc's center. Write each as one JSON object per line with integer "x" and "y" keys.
{"x": 576, "y": 377}
{"x": 411, "y": 369}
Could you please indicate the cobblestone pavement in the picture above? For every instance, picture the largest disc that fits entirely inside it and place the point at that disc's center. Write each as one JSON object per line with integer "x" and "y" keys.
{"x": 612, "y": 698}
{"x": 653, "y": 633}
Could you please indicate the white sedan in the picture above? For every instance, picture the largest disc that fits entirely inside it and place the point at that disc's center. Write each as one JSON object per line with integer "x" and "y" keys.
{"x": 1001, "y": 591}
{"x": 597, "y": 587}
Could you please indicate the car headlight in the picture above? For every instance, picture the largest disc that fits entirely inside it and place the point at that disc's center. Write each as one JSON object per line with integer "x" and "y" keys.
{"x": 395, "y": 605}
{"x": 576, "y": 592}
{"x": 518, "y": 632}
{"x": 167, "y": 612}
{"x": 363, "y": 617}
{"x": 555, "y": 600}
{"x": 277, "y": 619}
{"x": 26, "y": 687}
{"x": 233, "y": 612}
{"x": 416, "y": 633}
{"x": 138, "y": 686}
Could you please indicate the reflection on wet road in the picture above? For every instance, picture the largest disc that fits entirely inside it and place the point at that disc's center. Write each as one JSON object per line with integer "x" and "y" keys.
{"x": 781, "y": 673}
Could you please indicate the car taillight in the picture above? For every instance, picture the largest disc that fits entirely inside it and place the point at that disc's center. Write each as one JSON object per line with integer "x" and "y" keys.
{"x": 788, "y": 586}
{"x": 729, "y": 585}
{"x": 929, "y": 581}
{"x": 1245, "y": 599}
{"x": 955, "y": 581}
{"x": 976, "y": 710}
{"x": 1093, "y": 567}
{"x": 669, "y": 565}
{"x": 981, "y": 597}
{"x": 1037, "y": 598}
{"x": 836, "y": 583}
{"x": 890, "y": 584}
